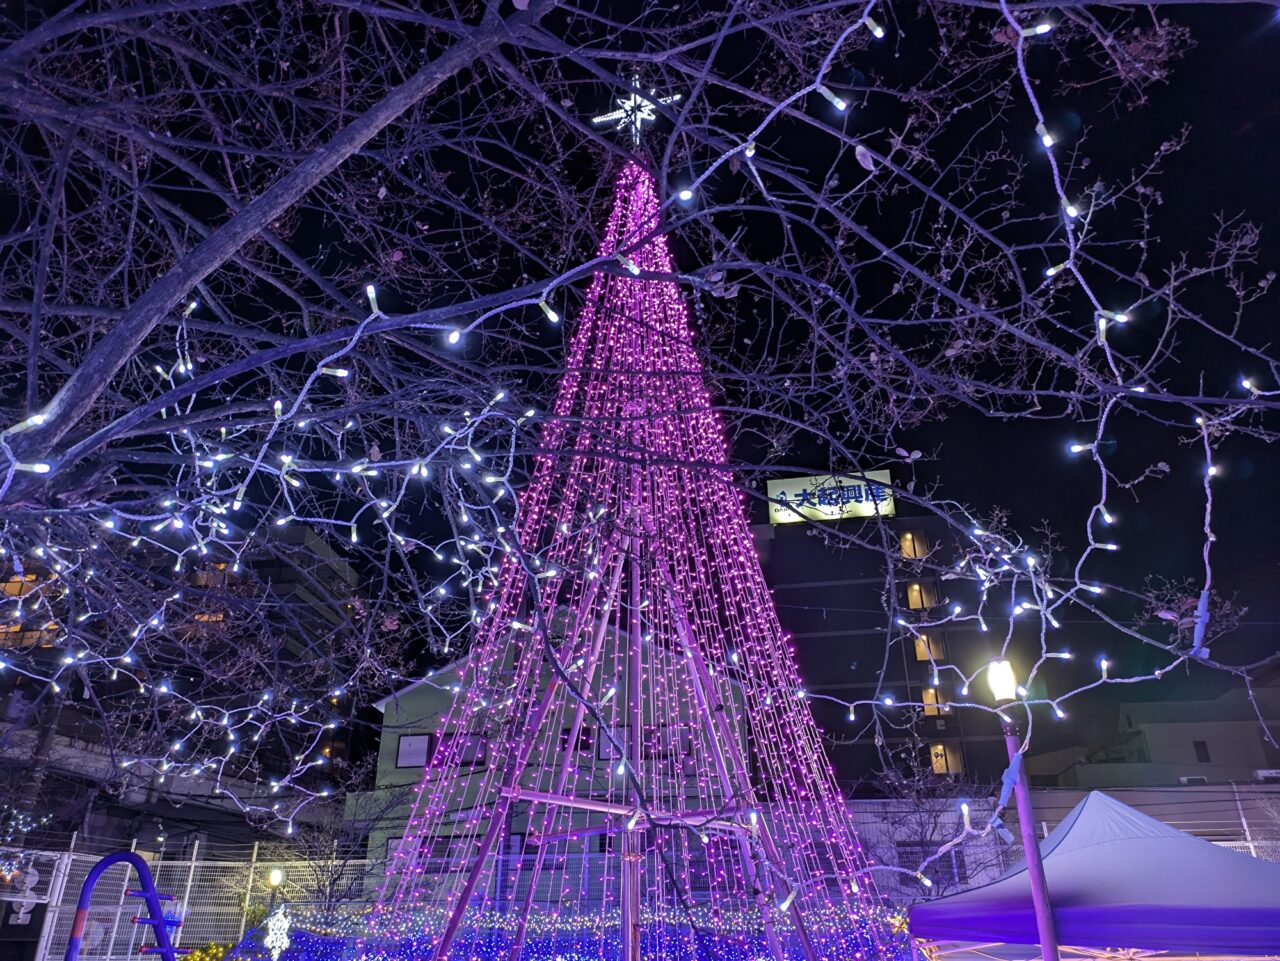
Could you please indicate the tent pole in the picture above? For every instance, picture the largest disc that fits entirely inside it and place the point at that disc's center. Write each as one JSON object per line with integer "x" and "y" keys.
{"x": 1031, "y": 845}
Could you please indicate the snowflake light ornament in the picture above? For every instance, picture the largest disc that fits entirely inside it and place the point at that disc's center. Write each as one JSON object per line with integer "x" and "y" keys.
{"x": 277, "y": 939}
{"x": 634, "y": 111}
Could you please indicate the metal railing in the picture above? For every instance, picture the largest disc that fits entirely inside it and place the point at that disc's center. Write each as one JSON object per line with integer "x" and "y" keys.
{"x": 219, "y": 899}
{"x": 216, "y": 900}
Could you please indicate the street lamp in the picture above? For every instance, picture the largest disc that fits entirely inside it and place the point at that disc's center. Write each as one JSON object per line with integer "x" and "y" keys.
{"x": 1004, "y": 688}
{"x": 275, "y": 878}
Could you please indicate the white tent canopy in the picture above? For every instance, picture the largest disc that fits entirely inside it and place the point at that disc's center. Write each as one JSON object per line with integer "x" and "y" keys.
{"x": 1120, "y": 879}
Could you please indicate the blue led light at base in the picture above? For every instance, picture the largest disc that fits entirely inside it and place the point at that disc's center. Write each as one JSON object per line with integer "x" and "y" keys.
{"x": 670, "y": 943}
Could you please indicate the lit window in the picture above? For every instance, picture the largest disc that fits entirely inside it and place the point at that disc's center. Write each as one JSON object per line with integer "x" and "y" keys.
{"x": 18, "y": 585}
{"x": 16, "y": 635}
{"x": 929, "y": 648}
{"x": 212, "y": 618}
{"x": 215, "y": 575}
{"x": 934, "y": 701}
{"x": 920, "y": 595}
{"x": 914, "y": 544}
{"x": 945, "y": 759}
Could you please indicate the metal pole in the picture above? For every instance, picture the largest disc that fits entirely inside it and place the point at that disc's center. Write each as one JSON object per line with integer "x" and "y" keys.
{"x": 248, "y": 893}
{"x": 1031, "y": 846}
{"x": 502, "y": 803}
{"x": 115, "y": 925}
{"x": 53, "y": 902}
{"x": 1244, "y": 822}
{"x": 721, "y": 739}
{"x": 631, "y": 846}
{"x": 186, "y": 891}
{"x": 562, "y": 779}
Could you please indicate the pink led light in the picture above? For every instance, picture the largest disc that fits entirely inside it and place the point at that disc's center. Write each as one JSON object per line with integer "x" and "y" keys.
{"x": 661, "y": 614}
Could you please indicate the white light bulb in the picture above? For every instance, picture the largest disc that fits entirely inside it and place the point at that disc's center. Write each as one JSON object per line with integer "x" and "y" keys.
{"x": 35, "y": 420}
{"x": 685, "y": 195}
{"x": 455, "y": 336}
{"x": 837, "y": 102}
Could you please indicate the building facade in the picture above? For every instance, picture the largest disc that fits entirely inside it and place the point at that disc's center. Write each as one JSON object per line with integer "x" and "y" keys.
{"x": 1185, "y": 742}
{"x": 833, "y": 601}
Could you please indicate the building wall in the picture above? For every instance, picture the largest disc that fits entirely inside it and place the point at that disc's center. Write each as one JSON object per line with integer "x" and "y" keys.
{"x": 831, "y": 601}
{"x": 1169, "y": 743}
{"x": 415, "y": 717}
{"x": 1233, "y": 748}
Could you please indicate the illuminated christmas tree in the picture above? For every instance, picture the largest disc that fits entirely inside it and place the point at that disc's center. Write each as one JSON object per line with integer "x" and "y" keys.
{"x": 629, "y": 768}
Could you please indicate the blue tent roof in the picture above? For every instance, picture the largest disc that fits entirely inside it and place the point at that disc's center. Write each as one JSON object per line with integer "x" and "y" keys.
{"x": 1120, "y": 879}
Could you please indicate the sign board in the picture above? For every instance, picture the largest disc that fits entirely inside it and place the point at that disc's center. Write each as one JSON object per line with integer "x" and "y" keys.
{"x": 830, "y": 497}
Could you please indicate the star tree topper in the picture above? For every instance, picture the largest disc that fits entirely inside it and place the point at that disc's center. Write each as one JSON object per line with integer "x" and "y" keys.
{"x": 635, "y": 110}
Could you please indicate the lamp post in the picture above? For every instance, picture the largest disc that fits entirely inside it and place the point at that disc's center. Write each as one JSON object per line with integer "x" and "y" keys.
{"x": 1004, "y": 688}
{"x": 275, "y": 878}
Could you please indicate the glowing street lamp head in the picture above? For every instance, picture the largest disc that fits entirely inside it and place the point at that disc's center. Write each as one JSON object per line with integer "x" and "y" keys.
{"x": 1002, "y": 680}
{"x": 276, "y": 877}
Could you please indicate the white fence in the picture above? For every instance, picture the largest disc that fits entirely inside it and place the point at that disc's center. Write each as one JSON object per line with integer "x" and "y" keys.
{"x": 220, "y": 900}
{"x": 216, "y": 900}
